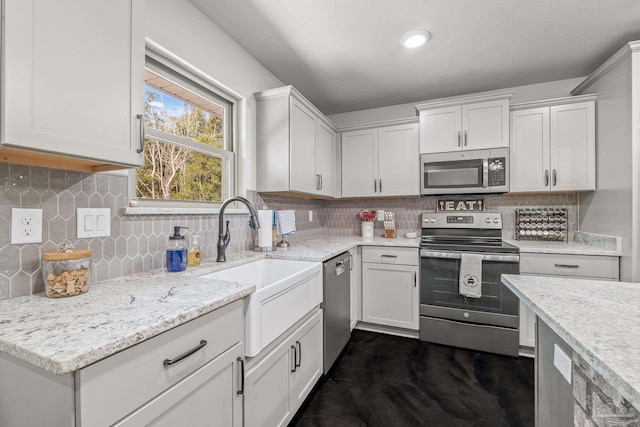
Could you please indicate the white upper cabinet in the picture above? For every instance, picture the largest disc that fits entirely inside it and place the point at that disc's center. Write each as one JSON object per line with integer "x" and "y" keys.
{"x": 381, "y": 161}
{"x": 72, "y": 81}
{"x": 296, "y": 145}
{"x": 474, "y": 123}
{"x": 553, "y": 145}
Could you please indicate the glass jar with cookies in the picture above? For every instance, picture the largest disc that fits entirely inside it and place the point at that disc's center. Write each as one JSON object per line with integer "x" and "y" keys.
{"x": 66, "y": 273}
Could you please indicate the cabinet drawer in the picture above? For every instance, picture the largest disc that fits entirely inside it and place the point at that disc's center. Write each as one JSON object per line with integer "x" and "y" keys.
{"x": 112, "y": 388}
{"x": 606, "y": 267}
{"x": 389, "y": 255}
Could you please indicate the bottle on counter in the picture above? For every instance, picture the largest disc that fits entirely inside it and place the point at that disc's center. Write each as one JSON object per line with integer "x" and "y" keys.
{"x": 195, "y": 254}
{"x": 176, "y": 251}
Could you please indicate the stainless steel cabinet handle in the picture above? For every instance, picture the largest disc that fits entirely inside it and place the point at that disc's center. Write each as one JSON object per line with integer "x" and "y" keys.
{"x": 320, "y": 181}
{"x": 389, "y": 256}
{"x": 465, "y": 138}
{"x": 546, "y": 177}
{"x": 299, "y": 353}
{"x": 317, "y": 182}
{"x": 375, "y": 185}
{"x": 350, "y": 262}
{"x": 241, "y": 361}
{"x": 458, "y": 138}
{"x": 140, "y": 118}
{"x": 567, "y": 265}
{"x": 555, "y": 177}
{"x": 415, "y": 279}
{"x": 169, "y": 362}
{"x": 295, "y": 358}
{"x": 380, "y": 185}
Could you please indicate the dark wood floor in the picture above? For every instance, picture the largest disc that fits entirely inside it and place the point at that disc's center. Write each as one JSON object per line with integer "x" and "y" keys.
{"x": 384, "y": 380}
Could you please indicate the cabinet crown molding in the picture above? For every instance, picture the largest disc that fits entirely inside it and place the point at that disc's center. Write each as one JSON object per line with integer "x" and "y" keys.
{"x": 450, "y": 102}
{"x": 292, "y": 91}
{"x": 608, "y": 65}
{"x": 554, "y": 101}
{"x": 383, "y": 123}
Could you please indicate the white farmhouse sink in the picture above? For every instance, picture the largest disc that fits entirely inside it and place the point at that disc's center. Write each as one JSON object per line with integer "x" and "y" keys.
{"x": 285, "y": 292}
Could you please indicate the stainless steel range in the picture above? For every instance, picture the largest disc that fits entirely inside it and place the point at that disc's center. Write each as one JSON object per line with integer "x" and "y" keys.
{"x": 462, "y": 301}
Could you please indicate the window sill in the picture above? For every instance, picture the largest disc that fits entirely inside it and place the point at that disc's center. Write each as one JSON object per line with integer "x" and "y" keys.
{"x": 180, "y": 211}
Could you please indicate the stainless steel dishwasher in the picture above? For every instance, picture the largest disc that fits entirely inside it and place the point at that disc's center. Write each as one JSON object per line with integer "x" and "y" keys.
{"x": 337, "y": 307}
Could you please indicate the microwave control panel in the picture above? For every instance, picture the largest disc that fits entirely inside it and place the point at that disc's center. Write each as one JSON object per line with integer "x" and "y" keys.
{"x": 497, "y": 172}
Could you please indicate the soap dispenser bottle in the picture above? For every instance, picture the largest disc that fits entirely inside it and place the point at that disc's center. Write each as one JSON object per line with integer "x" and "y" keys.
{"x": 194, "y": 255}
{"x": 176, "y": 251}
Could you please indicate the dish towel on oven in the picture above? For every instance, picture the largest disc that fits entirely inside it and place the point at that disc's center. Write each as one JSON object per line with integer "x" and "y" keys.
{"x": 471, "y": 275}
{"x": 286, "y": 222}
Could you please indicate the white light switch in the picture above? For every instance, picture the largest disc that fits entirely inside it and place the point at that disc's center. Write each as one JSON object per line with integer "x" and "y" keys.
{"x": 93, "y": 223}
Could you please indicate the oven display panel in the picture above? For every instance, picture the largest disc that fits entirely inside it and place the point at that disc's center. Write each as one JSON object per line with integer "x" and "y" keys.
{"x": 459, "y": 219}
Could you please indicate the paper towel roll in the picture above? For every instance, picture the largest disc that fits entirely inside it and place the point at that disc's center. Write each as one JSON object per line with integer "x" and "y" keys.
{"x": 265, "y": 217}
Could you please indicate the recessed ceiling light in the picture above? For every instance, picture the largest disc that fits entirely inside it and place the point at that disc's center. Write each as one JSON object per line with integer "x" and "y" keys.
{"x": 415, "y": 38}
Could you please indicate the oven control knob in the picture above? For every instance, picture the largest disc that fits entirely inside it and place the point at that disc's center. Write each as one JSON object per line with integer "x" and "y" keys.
{"x": 488, "y": 220}
{"x": 496, "y": 220}
{"x": 432, "y": 220}
{"x": 466, "y": 314}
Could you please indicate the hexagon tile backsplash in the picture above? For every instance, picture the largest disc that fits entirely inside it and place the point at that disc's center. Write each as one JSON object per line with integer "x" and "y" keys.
{"x": 138, "y": 242}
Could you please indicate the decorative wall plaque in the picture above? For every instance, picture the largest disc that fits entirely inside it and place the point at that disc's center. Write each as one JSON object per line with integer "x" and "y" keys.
{"x": 460, "y": 205}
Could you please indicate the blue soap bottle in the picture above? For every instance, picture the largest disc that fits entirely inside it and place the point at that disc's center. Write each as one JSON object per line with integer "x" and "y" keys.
{"x": 176, "y": 251}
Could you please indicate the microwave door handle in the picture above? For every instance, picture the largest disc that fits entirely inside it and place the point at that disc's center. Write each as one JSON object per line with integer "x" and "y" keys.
{"x": 485, "y": 173}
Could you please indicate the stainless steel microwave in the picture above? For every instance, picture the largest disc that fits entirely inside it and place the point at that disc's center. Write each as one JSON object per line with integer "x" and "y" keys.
{"x": 465, "y": 172}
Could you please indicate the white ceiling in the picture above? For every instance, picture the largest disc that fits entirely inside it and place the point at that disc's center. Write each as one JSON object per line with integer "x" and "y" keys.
{"x": 345, "y": 55}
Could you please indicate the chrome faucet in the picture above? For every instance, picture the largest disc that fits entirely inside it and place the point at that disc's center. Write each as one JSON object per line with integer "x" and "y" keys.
{"x": 225, "y": 238}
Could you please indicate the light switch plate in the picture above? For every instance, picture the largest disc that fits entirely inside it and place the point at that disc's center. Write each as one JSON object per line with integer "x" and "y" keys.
{"x": 562, "y": 362}
{"x": 26, "y": 226}
{"x": 93, "y": 222}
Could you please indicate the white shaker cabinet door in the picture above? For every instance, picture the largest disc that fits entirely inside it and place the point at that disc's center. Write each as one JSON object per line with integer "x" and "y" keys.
{"x": 73, "y": 75}
{"x": 303, "y": 148}
{"x": 530, "y": 170}
{"x": 398, "y": 160}
{"x": 326, "y": 156}
{"x": 485, "y": 125}
{"x": 308, "y": 352}
{"x": 360, "y": 163}
{"x": 441, "y": 130}
{"x": 573, "y": 147}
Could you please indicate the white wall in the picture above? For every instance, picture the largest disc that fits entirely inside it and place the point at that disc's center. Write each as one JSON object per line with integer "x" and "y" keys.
{"x": 610, "y": 209}
{"x": 549, "y": 90}
{"x": 179, "y": 27}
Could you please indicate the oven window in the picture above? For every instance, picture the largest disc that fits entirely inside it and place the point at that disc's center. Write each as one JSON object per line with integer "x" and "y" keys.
{"x": 439, "y": 286}
{"x": 453, "y": 174}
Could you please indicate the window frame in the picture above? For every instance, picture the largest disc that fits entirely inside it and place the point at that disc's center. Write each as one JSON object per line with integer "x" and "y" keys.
{"x": 197, "y": 82}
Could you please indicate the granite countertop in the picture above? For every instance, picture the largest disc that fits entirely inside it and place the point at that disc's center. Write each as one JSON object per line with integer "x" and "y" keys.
{"x": 66, "y": 334}
{"x": 569, "y": 248}
{"x": 596, "y": 318}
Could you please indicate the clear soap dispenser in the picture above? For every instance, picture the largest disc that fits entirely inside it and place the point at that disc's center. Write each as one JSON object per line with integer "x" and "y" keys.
{"x": 176, "y": 251}
{"x": 194, "y": 255}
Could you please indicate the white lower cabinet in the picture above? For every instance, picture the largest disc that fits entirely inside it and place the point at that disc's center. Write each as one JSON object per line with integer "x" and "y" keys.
{"x": 595, "y": 267}
{"x": 390, "y": 287}
{"x": 281, "y": 377}
{"x": 355, "y": 293}
{"x": 189, "y": 375}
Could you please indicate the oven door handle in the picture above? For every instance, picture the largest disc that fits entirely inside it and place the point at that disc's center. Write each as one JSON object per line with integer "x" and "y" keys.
{"x": 457, "y": 255}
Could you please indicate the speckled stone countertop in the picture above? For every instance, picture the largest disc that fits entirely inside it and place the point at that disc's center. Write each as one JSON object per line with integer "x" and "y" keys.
{"x": 597, "y": 319}
{"x": 65, "y": 334}
{"x": 569, "y": 248}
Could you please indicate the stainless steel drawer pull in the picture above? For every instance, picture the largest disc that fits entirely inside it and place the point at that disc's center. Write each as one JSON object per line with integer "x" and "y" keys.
{"x": 299, "y": 352}
{"x": 389, "y": 256}
{"x": 458, "y": 138}
{"x": 546, "y": 177}
{"x": 465, "y": 138}
{"x": 555, "y": 177}
{"x": 567, "y": 265}
{"x": 169, "y": 362}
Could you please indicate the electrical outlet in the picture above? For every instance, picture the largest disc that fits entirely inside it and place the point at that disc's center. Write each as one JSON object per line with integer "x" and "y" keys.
{"x": 380, "y": 215}
{"x": 26, "y": 226}
{"x": 310, "y": 216}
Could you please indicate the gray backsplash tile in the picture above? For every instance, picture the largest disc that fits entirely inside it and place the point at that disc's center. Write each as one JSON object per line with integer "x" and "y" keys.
{"x": 138, "y": 243}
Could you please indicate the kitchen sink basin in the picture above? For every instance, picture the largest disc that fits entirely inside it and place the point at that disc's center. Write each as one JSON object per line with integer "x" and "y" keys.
{"x": 285, "y": 291}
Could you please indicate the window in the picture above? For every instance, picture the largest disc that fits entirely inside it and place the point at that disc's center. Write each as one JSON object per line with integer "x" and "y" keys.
{"x": 188, "y": 140}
